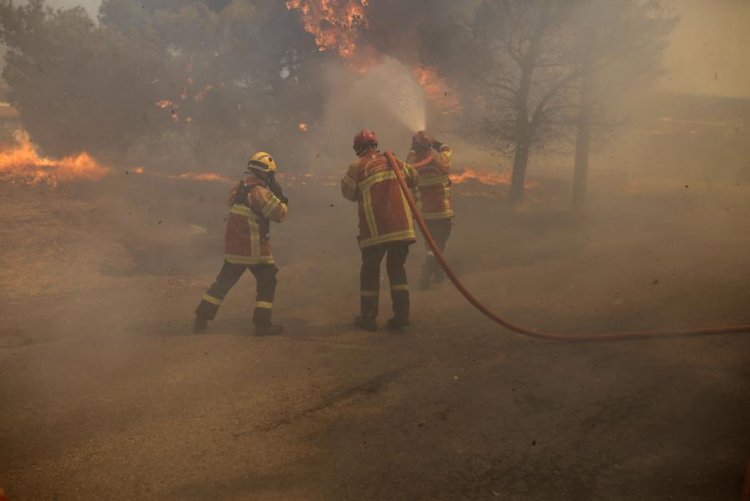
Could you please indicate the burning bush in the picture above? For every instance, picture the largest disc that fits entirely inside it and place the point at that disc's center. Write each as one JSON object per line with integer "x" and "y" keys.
{"x": 20, "y": 163}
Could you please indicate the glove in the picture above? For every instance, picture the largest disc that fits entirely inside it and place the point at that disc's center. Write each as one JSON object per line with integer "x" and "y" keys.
{"x": 437, "y": 145}
{"x": 275, "y": 188}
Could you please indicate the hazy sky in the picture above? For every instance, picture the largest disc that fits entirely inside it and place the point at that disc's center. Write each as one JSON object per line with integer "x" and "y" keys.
{"x": 709, "y": 52}
{"x": 710, "y": 49}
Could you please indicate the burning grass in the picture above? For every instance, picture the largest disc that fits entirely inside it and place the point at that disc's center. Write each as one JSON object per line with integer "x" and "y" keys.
{"x": 20, "y": 163}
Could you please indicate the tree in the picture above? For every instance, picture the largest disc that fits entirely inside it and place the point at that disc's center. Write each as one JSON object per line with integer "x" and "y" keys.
{"x": 185, "y": 83}
{"x": 516, "y": 85}
{"x": 534, "y": 72}
{"x": 56, "y": 71}
{"x": 620, "y": 44}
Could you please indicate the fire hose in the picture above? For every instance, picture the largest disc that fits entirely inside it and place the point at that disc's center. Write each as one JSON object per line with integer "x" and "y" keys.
{"x": 601, "y": 336}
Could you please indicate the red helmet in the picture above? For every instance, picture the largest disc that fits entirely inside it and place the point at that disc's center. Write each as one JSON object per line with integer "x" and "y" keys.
{"x": 421, "y": 141}
{"x": 364, "y": 140}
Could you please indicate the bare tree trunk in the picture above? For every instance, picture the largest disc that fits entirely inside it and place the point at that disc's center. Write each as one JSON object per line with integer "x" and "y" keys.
{"x": 518, "y": 180}
{"x": 523, "y": 126}
{"x": 523, "y": 141}
{"x": 583, "y": 133}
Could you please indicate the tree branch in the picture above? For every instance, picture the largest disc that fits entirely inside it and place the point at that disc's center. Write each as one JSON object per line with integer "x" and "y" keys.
{"x": 552, "y": 92}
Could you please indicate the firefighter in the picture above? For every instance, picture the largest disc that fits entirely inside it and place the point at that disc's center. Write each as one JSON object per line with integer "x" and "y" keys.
{"x": 254, "y": 203}
{"x": 386, "y": 229}
{"x": 434, "y": 197}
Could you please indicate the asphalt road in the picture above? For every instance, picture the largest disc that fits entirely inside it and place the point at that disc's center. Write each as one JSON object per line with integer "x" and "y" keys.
{"x": 107, "y": 395}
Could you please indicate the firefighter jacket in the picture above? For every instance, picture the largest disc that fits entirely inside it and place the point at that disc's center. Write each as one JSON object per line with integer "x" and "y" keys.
{"x": 252, "y": 208}
{"x": 434, "y": 183}
{"x": 384, "y": 214}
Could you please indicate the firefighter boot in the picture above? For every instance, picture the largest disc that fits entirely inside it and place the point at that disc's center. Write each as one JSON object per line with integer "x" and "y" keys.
{"x": 400, "y": 309}
{"x": 368, "y": 312}
{"x": 428, "y": 271}
{"x": 200, "y": 325}
{"x": 424, "y": 279}
{"x": 263, "y": 325}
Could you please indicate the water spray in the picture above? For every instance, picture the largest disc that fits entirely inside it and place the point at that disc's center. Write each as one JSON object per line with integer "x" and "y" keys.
{"x": 406, "y": 100}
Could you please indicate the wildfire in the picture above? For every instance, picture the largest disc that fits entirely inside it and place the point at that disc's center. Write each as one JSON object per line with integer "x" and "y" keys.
{"x": 201, "y": 95}
{"x": 483, "y": 177}
{"x": 303, "y": 127}
{"x": 20, "y": 163}
{"x": 335, "y": 24}
{"x": 202, "y": 176}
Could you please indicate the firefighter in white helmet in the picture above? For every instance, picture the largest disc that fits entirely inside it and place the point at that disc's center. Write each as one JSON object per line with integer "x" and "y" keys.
{"x": 254, "y": 202}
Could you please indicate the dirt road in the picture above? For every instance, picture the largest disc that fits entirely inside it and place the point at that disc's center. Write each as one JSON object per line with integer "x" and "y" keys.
{"x": 107, "y": 395}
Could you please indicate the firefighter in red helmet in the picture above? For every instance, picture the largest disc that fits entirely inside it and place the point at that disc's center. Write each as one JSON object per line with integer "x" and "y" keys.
{"x": 386, "y": 228}
{"x": 432, "y": 159}
{"x": 254, "y": 203}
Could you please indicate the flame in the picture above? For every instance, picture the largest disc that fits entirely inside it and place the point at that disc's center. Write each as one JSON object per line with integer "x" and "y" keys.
{"x": 166, "y": 103}
{"x": 482, "y": 183}
{"x": 202, "y": 176}
{"x": 201, "y": 95}
{"x": 483, "y": 177}
{"x": 20, "y": 163}
{"x": 335, "y": 24}
{"x": 303, "y": 127}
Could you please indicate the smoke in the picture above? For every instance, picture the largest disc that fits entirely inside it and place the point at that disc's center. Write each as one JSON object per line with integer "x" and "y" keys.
{"x": 398, "y": 93}
{"x": 104, "y": 391}
{"x": 708, "y": 49}
{"x": 385, "y": 99}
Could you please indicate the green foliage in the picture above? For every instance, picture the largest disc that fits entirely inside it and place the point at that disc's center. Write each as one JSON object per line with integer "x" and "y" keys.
{"x": 222, "y": 72}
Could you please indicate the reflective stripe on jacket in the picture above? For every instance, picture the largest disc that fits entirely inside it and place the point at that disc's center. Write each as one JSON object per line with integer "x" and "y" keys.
{"x": 434, "y": 183}
{"x": 384, "y": 214}
{"x": 248, "y": 239}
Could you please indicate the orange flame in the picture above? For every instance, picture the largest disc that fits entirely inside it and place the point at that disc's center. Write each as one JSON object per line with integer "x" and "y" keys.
{"x": 303, "y": 127}
{"x": 20, "y": 163}
{"x": 483, "y": 177}
{"x": 202, "y": 176}
{"x": 201, "y": 95}
{"x": 335, "y": 24}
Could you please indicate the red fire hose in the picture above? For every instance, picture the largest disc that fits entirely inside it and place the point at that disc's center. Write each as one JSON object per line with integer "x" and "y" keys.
{"x": 601, "y": 336}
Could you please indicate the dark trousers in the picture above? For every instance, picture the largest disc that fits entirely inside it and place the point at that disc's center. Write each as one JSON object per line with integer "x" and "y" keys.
{"x": 369, "y": 278}
{"x": 441, "y": 231}
{"x": 265, "y": 278}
